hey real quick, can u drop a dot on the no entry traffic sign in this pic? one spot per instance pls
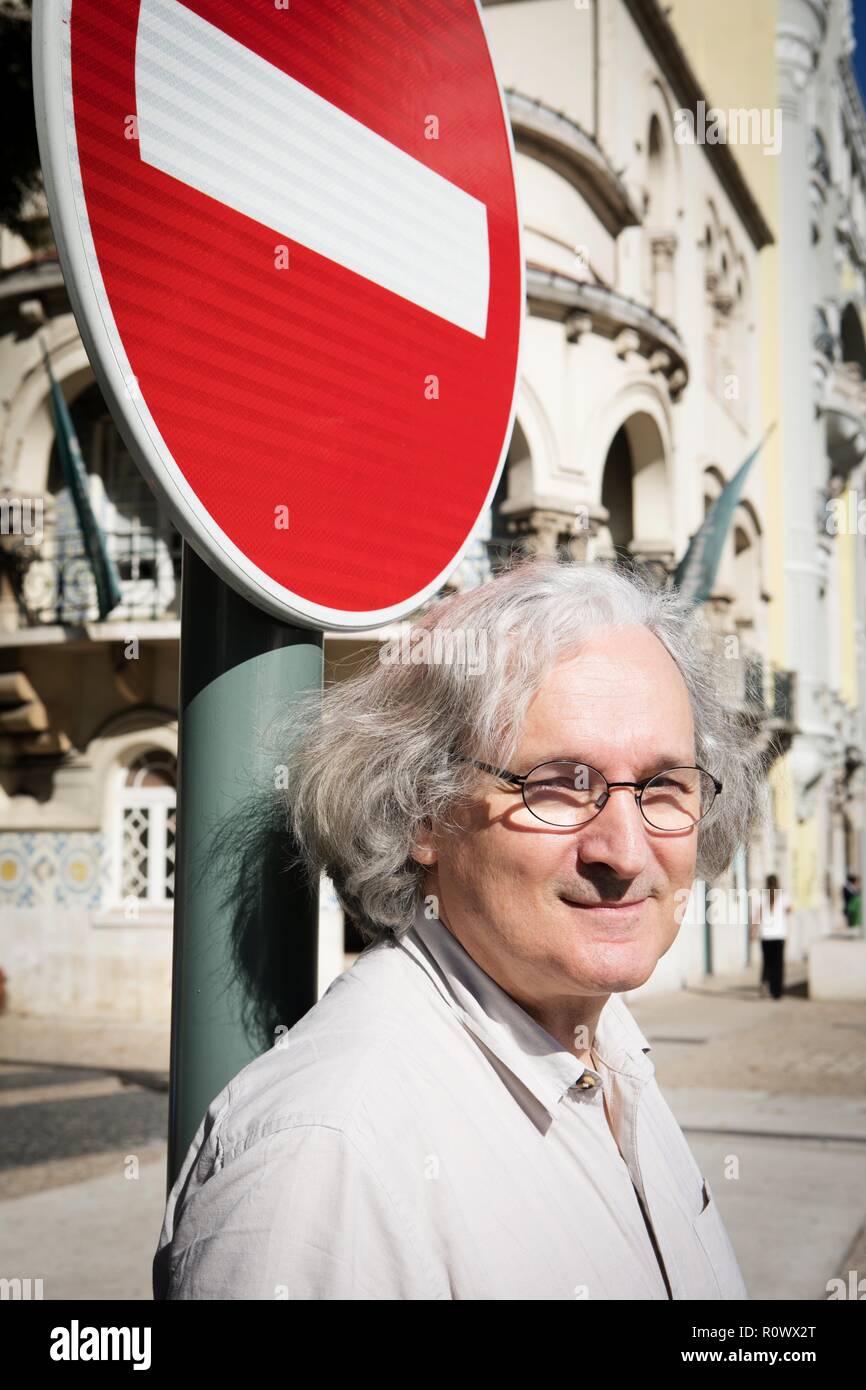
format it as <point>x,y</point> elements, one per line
<point>291,239</point>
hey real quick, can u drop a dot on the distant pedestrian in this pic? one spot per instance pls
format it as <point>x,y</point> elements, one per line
<point>771,921</point>
<point>854,903</point>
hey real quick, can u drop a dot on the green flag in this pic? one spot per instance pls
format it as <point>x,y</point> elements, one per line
<point>696,572</point>
<point>104,570</point>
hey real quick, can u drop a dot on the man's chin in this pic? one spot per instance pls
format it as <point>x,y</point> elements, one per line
<point>615,967</point>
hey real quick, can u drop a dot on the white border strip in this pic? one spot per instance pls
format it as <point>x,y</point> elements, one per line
<point>223,120</point>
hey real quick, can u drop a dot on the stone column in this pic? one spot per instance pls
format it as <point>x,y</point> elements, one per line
<point>798,35</point>
<point>549,527</point>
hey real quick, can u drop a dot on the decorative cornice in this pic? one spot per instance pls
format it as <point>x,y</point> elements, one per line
<point>796,54</point>
<point>555,139</point>
<point>594,307</point>
<point>33,277</point>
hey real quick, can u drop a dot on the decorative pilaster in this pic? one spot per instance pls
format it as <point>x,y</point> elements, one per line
<point>663,247</point>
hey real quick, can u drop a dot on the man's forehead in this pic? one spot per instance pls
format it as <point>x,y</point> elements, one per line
<point>616,664</point>
<point>624,648</point>
<point>622,691</point>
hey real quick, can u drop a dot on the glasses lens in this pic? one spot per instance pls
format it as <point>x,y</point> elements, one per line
<point>564,793</point>
<point>678,798</point>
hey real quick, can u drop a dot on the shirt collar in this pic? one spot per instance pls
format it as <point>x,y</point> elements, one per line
<point>508,1031</point>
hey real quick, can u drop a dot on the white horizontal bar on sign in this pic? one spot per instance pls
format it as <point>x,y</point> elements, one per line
<point>223,120</point>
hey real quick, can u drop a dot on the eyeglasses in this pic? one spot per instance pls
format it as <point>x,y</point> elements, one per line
<point>568,793</point>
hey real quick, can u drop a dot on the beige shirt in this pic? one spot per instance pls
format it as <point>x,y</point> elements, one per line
<point>417,1135</point>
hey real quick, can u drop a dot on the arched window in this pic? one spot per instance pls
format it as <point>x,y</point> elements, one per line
<point>655,167</point>
<point>145,844</point>
<point>617,497</point>
<point>634,492</point>
<point>852,339</point>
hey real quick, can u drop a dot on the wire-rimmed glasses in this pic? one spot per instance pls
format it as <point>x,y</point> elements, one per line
<point>565,792</point>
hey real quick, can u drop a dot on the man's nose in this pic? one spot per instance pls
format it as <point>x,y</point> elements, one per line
<point>617,835</point>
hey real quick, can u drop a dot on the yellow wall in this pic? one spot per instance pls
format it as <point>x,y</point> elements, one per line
<point>807,866</point>
<point>731,48</point>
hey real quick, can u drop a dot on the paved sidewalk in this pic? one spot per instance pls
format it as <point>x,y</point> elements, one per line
<point>771,1096</point>
<point>107,1044</point>
<point>93,1240</point>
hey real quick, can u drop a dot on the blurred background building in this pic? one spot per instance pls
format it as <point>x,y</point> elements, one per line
<point>684,293</point>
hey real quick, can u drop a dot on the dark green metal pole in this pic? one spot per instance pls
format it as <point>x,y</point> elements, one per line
<point>239,670</point>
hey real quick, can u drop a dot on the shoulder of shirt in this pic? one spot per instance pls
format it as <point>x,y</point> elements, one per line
<point>365,1030</point>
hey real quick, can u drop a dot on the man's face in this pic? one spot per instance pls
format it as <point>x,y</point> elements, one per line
<point>541,908</point>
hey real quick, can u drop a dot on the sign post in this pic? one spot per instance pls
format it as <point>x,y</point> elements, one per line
<point>239,671</point>
<point>291,240</point>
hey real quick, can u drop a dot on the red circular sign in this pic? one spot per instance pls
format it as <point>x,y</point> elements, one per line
<point>291,238</point>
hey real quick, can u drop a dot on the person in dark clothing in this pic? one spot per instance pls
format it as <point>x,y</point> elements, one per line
<point>771,923</point>
<point>853,902</point>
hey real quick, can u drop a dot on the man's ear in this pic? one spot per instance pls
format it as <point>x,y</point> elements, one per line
<point>424,845</point>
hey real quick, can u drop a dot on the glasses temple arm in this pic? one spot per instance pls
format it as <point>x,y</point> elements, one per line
<point>501,772</point>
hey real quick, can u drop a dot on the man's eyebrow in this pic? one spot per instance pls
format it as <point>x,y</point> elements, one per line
<point>666,760</point>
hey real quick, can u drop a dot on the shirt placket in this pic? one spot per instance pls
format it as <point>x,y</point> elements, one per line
<point>624,1091</point>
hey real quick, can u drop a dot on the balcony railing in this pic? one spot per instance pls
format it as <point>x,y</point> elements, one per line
<point>53,583</point>
<point>784,683</point>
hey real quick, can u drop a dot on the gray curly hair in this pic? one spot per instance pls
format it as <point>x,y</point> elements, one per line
<point>373,759</point>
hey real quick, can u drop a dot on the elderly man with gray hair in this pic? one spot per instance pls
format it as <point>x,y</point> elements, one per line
<point>470,1110</point>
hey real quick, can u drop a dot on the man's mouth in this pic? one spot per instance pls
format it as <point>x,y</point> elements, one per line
<point>621,909</point>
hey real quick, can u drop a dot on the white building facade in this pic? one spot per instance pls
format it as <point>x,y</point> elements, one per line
<point>638,401</point>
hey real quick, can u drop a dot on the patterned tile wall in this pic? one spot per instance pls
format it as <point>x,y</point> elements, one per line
<point>42,867</point>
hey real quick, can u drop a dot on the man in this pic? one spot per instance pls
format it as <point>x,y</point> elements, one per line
<point>470,1112</point>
